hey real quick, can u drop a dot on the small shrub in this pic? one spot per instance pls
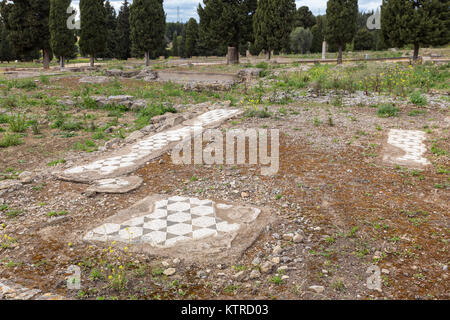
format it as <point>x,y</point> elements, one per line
<point>417,99</point>
<point>10,140</point>
<point>17,123</point>
<point>387,110</point>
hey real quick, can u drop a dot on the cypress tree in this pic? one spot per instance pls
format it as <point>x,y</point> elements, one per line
<point>28,27</point>
<point>225,23</point>
<point>6,50</point>
<point>304,18</point>
<point>318,32</point>
<point>182,44</point>
<point>191,37</point>
<point>111,36</point>
<point>418,22</point>
<point>93,31</point>
<point>273,22</point>
<point>364,40</point>
<point>123,32</point>
<point>147,24</point>
<point>62,39</point>
<point>175,51</point>
<point>341,23</point>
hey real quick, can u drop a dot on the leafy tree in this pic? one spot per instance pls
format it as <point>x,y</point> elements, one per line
<point>301,40</point>
<point>147,34</point>
<point>191,37</point>
<point>225,23</point>
<point>62,39</point>
<point>341,23</point>
<point>123,42</point>
<point>416,22</point>
<point>28,26</point>
<point>6,50</point>
<point>364,40</point>
<point>273,23</point>
<point>304,18</point>
<point>93,31</point>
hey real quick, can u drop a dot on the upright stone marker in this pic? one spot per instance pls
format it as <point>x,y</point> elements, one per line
<point>232,55</point>
<point>324,50</point>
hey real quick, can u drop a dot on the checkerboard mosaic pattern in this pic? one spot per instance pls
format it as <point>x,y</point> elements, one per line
<point>146,147</point>
<point>172,220</point>
<point>411,142</point>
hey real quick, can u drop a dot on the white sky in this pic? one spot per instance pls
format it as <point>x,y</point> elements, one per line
<point>188,8</point>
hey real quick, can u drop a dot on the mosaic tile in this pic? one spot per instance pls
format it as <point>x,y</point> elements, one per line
<point>411,142</point>
<point>144,148</point>
<point>173,220</point>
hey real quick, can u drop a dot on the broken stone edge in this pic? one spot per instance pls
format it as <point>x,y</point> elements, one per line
<point>134,183</point>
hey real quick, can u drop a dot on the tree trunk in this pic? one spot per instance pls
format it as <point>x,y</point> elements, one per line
<point>92,60</point>
<point>339,59</point>
<point>416,52</point>
<point>233,55</point>
<point>269,54</point>
<point>45,58</point>
<point>61,62</point>
<point>147,58</point>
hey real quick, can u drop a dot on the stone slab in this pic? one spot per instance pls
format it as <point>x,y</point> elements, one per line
<point>174,225</point>
<point>129,158</point>
<point>116,185</point>
<point>406,147</point>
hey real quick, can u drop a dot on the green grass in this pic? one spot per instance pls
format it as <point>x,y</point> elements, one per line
<point>57,213</point>
<point>86,146</point>
<point>9,140</point>
<point>56,162</point>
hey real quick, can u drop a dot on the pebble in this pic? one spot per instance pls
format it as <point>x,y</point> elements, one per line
<point>256,261</point>
<point>266,267</point>
<point>277,250</point>
<point>255,274</point>
<point>298,238</point>
<point>276,260</point>
<point>288,236</point>
<point>317,289</point>
<point>170,271</point>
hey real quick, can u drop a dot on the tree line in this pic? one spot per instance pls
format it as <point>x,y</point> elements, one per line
<point>28,27</point>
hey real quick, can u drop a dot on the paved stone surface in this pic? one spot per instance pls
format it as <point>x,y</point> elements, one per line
<point>129,158</point>
<point>116,185</point>
<point>410,143</point>
<point>176,225</point>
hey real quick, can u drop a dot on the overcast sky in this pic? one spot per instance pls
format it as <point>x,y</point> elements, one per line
<point>188,8</point>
